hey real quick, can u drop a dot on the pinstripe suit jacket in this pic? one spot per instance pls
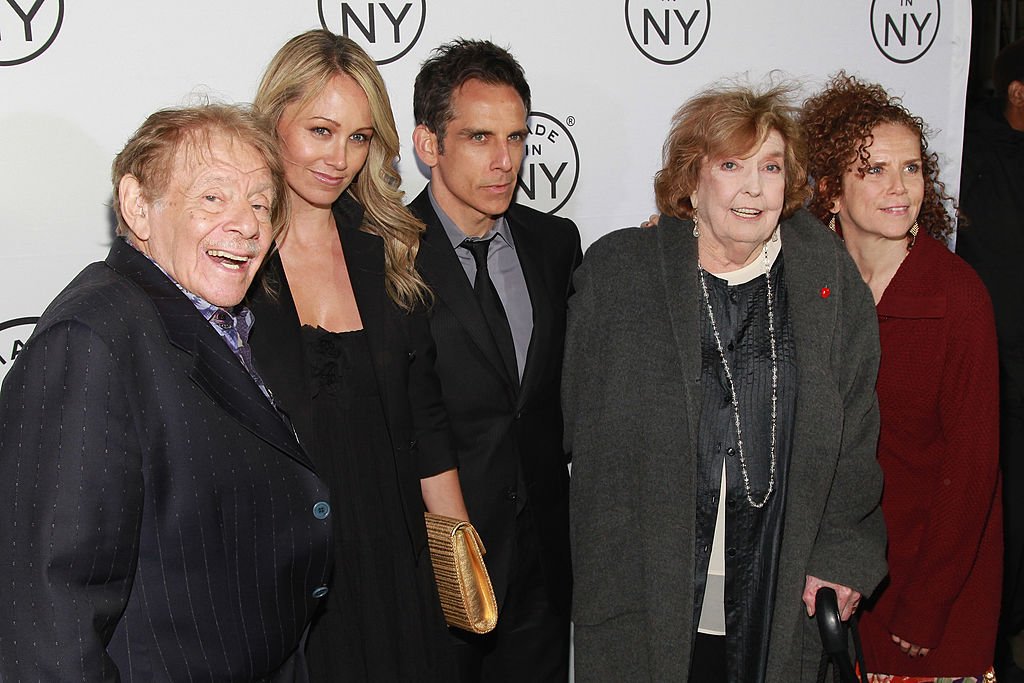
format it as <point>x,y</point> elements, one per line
<point>158,514</point>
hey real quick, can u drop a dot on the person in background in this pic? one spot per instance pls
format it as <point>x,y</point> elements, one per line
<point>992,199</point>
<point>150,489</point>
<point>876,184</point>
<point>345,348</point>
<point>501,275</point>
<point>719,402</point>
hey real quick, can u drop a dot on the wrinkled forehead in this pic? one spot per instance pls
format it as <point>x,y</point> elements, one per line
<point>204,153</point>
<point>746,141</point>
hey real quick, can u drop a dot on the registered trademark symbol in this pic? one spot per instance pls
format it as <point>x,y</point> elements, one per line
<point>570,120</point>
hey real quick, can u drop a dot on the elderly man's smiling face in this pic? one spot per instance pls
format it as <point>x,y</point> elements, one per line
<point>211,226</point>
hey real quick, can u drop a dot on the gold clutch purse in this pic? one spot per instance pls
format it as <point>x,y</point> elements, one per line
<point>463,585</point>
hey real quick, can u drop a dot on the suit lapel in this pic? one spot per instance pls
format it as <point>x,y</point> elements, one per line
<point>215,370</point>
<point>529,248</point>
<point>364,259</point>
<point>278,349</point>
<point>440,266</point>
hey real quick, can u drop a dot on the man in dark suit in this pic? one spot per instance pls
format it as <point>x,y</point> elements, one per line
<point>501,275</point>
<point>992,198</point>
<point>160,522</point>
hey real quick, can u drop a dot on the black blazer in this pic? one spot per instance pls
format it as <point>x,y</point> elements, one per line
<point>403,354</point>
<point>507,439</point>
<point>158,514</point>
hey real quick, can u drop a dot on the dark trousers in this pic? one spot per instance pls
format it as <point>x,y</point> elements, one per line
<point>707,665</point>
<point>531,640</point>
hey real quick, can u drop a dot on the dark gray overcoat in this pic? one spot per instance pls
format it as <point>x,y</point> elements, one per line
<point>631,396</point>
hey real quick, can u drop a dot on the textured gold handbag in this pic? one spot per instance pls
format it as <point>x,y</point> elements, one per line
<point>463,585</point>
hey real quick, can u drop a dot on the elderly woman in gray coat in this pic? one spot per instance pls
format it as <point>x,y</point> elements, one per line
<point>719,403</point>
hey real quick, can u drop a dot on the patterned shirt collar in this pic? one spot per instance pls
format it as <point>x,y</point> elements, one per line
<point>233,327</point>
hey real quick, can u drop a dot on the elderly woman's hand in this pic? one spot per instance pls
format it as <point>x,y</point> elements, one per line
<point>848,597</point>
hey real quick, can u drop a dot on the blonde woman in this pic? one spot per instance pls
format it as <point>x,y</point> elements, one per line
<point>343,346</point>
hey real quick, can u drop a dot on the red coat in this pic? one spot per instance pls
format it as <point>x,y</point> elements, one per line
<point>938,448</point>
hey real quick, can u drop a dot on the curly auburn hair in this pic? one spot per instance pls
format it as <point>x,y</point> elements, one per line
<point>837,124</point>
<point>725,121</point>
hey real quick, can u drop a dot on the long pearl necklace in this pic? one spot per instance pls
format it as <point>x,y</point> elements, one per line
<point>732,385</point>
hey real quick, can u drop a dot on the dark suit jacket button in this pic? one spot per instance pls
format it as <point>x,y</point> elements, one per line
<point>319,592</point>
<point>511,494</point>
<point>518,414</point>
<point>412,444</point>
<point>412,355</point>
<point>321,510</point>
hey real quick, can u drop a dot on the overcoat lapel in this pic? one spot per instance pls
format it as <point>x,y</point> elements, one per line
<point>215,370</point>
<point>678,254</point>
<point>810,310</point>
<point>440,266</point>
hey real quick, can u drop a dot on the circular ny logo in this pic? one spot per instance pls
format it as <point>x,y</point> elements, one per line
<point>668,31</point>
<point>551,165</point>
<point>904,29</point>
<point>386,29</point>
<point>27,28</point>
<point>13,335</point>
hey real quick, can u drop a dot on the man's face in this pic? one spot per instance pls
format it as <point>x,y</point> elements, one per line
<point>474,178</point>
<point>211,228</point>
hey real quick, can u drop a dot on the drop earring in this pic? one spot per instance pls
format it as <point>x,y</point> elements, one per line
<point>832,223</point>
<point>913,236</point>
<point>696,229</point>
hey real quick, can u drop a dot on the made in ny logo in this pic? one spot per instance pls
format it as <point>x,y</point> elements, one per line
<point>387,30</point>
<point>668,31</point>
<point>551,165</point>
<point>904,30</point>
<point>13,335</point>
<point>27,28</point>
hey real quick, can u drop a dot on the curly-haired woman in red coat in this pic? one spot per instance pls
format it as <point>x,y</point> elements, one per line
<point>876,184</point>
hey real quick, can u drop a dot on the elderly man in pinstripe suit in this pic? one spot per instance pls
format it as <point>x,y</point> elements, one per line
<point>160,522</point>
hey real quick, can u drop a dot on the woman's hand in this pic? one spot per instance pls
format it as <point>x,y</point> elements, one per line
<point>848,597</point>
<point>652,221</point>
<point>910,648</point>
<point>442,495</point>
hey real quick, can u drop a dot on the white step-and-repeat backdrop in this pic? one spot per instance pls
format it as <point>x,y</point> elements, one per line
<point>76,78</point>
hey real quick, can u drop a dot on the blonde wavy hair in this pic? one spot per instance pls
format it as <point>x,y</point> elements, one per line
<point>298,73</point>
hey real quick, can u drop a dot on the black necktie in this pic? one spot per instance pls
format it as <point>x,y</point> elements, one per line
<point>491,306</point>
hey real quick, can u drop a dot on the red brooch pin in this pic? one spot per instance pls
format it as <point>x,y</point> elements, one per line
<point>825,292</point>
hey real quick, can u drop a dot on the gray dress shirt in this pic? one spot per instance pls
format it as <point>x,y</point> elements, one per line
<point>506,273</point>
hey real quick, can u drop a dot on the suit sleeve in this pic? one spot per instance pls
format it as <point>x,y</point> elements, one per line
<point>433,444</point>
<point>850,548</point>
<point>71,492</point>
<point>577,256</point>
<point>967,481</point>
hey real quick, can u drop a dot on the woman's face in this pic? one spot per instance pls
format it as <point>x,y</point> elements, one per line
<point>739,199</point>
<point>885,201</point>
<point>325,142</point>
